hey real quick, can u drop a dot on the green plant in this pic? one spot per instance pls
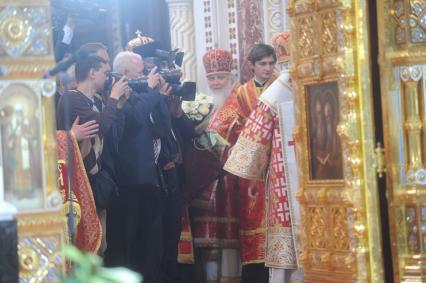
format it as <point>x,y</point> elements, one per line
<point>87,268</point>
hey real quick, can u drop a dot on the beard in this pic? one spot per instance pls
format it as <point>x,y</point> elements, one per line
<point>220,95</point>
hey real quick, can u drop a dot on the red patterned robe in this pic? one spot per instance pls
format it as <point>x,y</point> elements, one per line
<point>89,232</point>
<point>216,226</point>
<point>259,155</point>
<point>229,122</point>
<point>214,213</point>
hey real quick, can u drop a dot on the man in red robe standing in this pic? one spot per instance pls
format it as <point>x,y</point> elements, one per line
<point>229,122</point>
<point>214,213</point>
<point>265,151</point>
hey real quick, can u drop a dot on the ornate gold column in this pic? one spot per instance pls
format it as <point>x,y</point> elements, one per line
<point>410,77</point>
<point>182,31</point>
<point>28,140</point>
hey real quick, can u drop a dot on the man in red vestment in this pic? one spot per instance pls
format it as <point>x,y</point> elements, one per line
<point>229,122</point>
<point>264,151</point>
<point>214,213</point>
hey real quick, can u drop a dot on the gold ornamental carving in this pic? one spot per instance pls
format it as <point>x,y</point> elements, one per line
<point>318,227</point>
<point>41,237</point>
<point>26,49</point>
<point>329,36</point>
<point>306,33</point>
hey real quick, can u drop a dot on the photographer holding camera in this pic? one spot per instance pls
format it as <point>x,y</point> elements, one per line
<point>136,215</point>
<point>148,209</point>
<point>91,70</point>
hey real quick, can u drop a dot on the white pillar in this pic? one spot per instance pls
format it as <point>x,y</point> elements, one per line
<point>182,31</point>
<point>215,27</point>
<point>275,18</point>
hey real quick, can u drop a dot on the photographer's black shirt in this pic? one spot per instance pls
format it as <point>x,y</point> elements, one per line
<point>74,103</point>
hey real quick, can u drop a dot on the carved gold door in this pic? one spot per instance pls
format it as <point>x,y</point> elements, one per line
<point>359,71</point>
<point>338,163</point>
<point>402,45</point>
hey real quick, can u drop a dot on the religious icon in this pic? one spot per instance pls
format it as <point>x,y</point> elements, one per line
<point>21,147</point>
<point>324,143</point>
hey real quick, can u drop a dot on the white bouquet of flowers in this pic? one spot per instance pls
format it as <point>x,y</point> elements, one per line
<point>199,111</point>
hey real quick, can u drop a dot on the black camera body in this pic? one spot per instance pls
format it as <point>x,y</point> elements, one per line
<point>166,63</point>
<point>186,90</point>
<point>137,85</point>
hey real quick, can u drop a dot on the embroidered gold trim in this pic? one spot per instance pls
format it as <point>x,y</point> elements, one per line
<point>185,259</point>
<point>215,243</point>
<point>252,232</point>
<point>253,261</point>
<point>248,159</point>
<point>280,251</point>
<point>215,219</point>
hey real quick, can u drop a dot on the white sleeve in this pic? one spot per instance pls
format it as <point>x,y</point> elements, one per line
<point>68,34</point>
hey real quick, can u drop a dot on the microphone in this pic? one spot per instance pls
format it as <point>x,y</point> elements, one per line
<point>60,67</point>
<point>65,64</point>
<point>81,54</point>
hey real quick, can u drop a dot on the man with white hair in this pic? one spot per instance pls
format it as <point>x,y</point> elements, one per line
<point>149,206</point>
<point>134,217</point>
<point>215,212</point>
<point>131,65</point>
<point>228,123</point>
<point>221,82</point>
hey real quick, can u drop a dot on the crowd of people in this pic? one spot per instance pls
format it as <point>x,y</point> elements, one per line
<point>133,145</point>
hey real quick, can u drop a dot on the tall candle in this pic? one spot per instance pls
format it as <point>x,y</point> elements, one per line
<point>7,210</point>
<point>9,265</point>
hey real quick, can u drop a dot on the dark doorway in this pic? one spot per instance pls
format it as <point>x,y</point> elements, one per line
<point>377,104</point>
<point>95,21</point>
<point>151,17</point>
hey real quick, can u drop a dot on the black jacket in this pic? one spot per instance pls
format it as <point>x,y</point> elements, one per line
<point>74,103</point>
<point>146,119</point>
<point>173,150</point>
<point>60,47</point>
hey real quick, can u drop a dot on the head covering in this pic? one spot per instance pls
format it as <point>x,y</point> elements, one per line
<point>217,61</point>
<point>138,41</point>
<point>143,45</point>
<point>281,43</point>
